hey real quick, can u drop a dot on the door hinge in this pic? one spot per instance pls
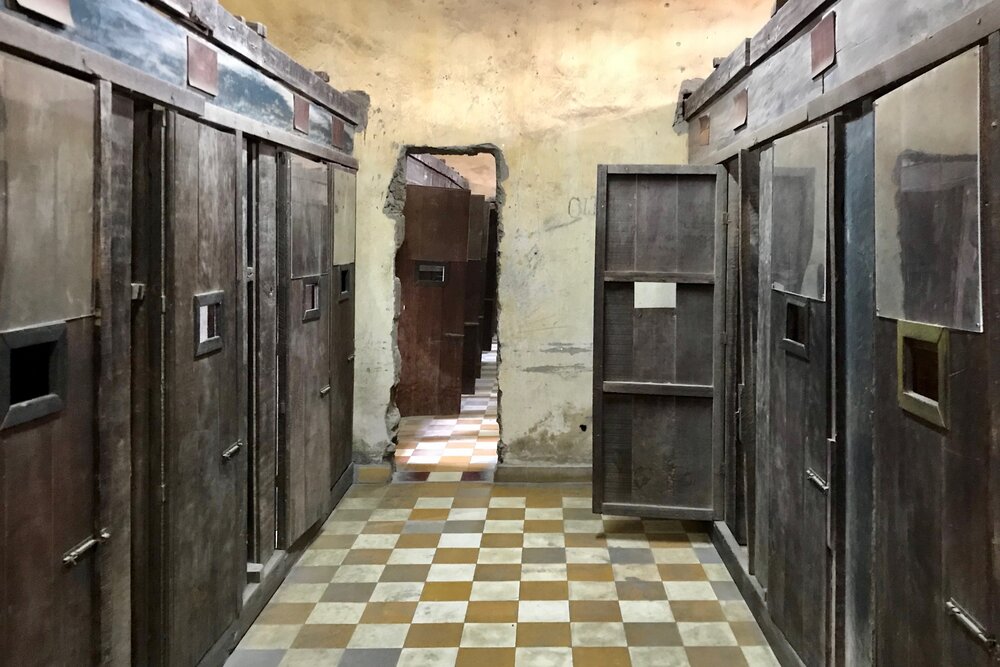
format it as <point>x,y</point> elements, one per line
<point>816,480</point>
<point>972,627</point>
<point>73,556</point>
<point>163,304</point>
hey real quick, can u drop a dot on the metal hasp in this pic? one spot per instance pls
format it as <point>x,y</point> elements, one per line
<point>233,450</point>
<point>972,627</point>
<point>324,391</point>
<point>816,480</point>
<point>73,556</point>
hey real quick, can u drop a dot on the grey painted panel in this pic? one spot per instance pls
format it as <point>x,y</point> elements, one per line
<point>345,216</point>
<point>46,195</point>
<point>799,213</point>
<point>927,198</point>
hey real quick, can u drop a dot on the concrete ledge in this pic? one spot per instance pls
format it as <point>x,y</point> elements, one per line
<point>542,474</point>
<point>372,473</point>
<point>733,555</point>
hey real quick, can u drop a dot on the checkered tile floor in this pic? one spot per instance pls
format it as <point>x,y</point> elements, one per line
<point>445,574</point>
<point>467,443</point>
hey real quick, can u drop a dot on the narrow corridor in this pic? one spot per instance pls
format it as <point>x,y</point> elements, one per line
<point>437,569</point>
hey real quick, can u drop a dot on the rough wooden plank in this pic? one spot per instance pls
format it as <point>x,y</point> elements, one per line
<point>659,389</point>
<point>203,413</point>
<point>114,206</point>
<point>732,68</point>
<point>266,350</point>
<point>783,26</point>
<point>857,324</point>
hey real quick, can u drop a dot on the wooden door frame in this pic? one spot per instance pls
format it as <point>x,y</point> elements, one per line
<point>718,333</point>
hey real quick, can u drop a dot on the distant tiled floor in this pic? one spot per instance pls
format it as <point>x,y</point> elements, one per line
<point>458,574</point>
<point>447,446</point>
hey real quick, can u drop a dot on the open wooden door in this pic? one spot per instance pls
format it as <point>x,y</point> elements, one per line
<point>657,341</point>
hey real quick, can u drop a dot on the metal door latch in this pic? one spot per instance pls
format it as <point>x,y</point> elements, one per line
<point>138,291</point>
<point>972,626</point>
<point>73,556</point>
<point>325,390</point>
<point>816,480</point>
<point>232,451</point>
<point>350,358</point>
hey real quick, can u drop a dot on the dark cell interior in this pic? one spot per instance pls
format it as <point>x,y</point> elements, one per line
<point>30,371</point>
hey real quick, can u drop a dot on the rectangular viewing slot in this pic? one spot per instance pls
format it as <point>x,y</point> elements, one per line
<point>796,333</point>
<point>922,367</point>
<point>797,323</point>
<point>208,323</point>
<point>433,274</point>
<point>345,281</point>
<point>310,299</point>
<point>32,373</point>
<point>29,371</point>
<point>920,372</point>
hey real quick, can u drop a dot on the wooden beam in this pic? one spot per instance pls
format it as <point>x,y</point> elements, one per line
<point>224,118</point>
<point>732,68</point>
<point>659,277</point>
<point>660,389</point>
<point>41,44</point>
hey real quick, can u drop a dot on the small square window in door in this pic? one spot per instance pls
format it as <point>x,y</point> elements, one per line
<point>796,340</point>
<point>922,367</point>
<point>431,274</point>
<point>345,284</point>
<point>311,304</point>
<point>32,373</point>
<point>208,323</point>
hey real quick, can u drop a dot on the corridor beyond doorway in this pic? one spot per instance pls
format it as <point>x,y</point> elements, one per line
<point>454,448</point>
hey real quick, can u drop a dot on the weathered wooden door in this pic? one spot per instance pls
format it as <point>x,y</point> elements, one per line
<point>304,274</point>
<point>203,462</point>
<point>797,403</point>
<point>657,363</point>
<point>431,268</point>
<point>475,285</point>
<point>345,185</point>
<point>48,367</point>
<point>489,328</point>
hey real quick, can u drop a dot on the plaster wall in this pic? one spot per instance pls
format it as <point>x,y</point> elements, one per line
<point>559,87</point>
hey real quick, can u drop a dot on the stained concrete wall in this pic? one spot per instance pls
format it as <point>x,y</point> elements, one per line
<point>559,87</point>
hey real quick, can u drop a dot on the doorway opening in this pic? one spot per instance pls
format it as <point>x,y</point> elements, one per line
<point>445,404</point>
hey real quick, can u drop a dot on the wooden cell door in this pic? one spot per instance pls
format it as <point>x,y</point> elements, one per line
<point>49,540</point>
<point>657,335</point>
<point>199,463</point>
<point>304,276</point>
<point>342,300</point>
<point>475,287</point>
<point>797,401</point>
<point>431,268</point>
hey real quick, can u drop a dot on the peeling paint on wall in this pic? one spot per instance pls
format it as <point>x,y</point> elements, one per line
<point>559,88</point>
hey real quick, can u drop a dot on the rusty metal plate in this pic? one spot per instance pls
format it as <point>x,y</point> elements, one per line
<point>824,44</point>
<point>56,10</point>
<point>704,136</point>
<point>302,109</point>
<point>339,134</point>
<point>203,67</point>
<point>741,104</point>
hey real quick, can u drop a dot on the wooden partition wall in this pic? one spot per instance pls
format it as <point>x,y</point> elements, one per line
<point>194,187</point>
<point>860,328</point>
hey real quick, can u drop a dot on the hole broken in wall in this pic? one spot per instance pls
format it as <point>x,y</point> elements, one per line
<point>428,432</point>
